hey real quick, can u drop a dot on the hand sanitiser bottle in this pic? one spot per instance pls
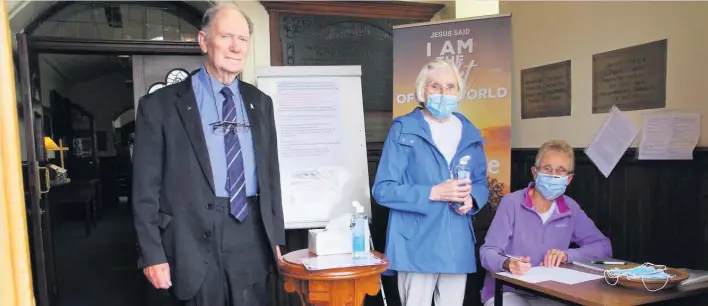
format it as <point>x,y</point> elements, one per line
<point>359,226</point>
<point>462,171</point>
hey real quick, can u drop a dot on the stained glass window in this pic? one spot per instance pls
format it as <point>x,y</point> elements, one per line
<point>162,21</point>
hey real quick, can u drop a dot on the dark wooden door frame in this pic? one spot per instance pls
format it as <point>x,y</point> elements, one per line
<point>33,181</point>
<point>420,12</point>
<point>29,49</point>
<point>39,44</point>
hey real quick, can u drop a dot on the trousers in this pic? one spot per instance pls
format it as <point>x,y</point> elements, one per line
<point>238,262</point>
<point>419,289</point>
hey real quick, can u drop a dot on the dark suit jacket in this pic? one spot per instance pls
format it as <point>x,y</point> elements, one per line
<point>173,185</point>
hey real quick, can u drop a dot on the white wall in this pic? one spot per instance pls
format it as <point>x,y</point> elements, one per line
<point>475,8</point>
<point>549,32</point>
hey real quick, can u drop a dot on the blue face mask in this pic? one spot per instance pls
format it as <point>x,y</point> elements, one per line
<point>441,106</point>
<point>647,271</point>
<point>551,187</point>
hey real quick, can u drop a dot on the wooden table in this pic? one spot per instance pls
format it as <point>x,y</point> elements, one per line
<point>335,287</point>
<point>595,292</point>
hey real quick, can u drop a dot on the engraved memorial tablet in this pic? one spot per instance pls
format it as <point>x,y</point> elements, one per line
<point>632,78</point>
<point>545,91</point>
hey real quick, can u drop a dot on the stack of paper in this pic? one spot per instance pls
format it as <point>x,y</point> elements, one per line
<point>695,277</point>
<point>561,275</point>
<point>340,261</point>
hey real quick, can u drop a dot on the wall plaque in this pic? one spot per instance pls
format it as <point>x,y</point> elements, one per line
<point>338,40</point>
<point>632,78</point>
<point>545,91</point>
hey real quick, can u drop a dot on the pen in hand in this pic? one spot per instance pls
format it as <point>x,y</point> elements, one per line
<point>515,264</point>
<point>512,257</point>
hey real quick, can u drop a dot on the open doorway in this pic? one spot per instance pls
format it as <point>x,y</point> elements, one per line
<point>94,244</point>
<point>88,128</point>
<point>82,67</point>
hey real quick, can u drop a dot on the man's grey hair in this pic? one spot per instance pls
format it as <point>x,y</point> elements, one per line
<point>422,81</point>
<point>212,11</point>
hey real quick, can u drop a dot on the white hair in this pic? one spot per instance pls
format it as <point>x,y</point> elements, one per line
<point>422,81</point>
<point>212,11</point>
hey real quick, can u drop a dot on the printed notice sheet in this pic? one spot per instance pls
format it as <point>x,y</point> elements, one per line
<point>669,136</point>
<point>561,275</point>
<point>308,122</point>
<point>309,145</point>
<point>610,143</point>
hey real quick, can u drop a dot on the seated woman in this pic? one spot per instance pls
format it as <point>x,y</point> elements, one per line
<point>430,238</point>
<point>538,224</point>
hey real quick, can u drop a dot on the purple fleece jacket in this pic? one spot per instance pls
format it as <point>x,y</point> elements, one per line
<point>518,230</point>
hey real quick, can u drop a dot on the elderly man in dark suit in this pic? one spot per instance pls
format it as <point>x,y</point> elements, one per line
<point>206,183</point>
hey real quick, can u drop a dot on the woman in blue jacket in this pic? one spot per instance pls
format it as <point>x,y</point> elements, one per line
<point>430,240</point>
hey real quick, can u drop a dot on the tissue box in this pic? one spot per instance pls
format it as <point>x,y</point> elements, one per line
<point>329,242</point>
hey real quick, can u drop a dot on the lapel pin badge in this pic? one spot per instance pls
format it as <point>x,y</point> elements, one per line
<point>251,104</point>
<point>189,107</point>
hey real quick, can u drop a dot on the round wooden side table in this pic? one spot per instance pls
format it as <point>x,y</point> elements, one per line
<point>333,287</point>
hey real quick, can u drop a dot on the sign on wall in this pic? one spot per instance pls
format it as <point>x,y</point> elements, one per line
<point>482,50</point>
<point>545,91</point>
<point>632,78</point>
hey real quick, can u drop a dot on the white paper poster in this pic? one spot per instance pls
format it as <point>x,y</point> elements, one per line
<point>669,136</point>
<point>612,141</point>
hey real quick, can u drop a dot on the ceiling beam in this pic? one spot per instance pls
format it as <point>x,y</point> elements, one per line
<point>417,11</point>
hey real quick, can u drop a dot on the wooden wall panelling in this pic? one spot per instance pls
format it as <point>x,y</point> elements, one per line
<point>655,211</point>
<point>363,9</point>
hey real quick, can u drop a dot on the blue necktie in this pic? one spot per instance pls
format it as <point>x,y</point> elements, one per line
<point>235,174</point>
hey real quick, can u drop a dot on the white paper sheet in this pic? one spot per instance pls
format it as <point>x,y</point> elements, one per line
<point>340,261</point>
<point>561,275</point>
<point>610,143</point>
<point>309,122</point>
<point>311,190</point>
<point>310,146</point>
<point>669,136</point>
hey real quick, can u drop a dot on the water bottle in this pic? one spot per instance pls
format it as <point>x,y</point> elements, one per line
<point>462,171</point>
<point>359,225</point>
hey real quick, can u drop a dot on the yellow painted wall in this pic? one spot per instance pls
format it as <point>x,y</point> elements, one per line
<point>549,32</point>
<point>15,273</point>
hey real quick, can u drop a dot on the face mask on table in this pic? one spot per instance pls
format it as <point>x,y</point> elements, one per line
<point>646,271</point>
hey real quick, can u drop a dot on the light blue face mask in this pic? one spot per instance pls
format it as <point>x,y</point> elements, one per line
<point>646,271</point>
<point>550,186</point>
<point>441,106</point>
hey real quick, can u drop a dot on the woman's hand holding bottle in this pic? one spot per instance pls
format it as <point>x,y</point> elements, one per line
<point>452,190</point>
